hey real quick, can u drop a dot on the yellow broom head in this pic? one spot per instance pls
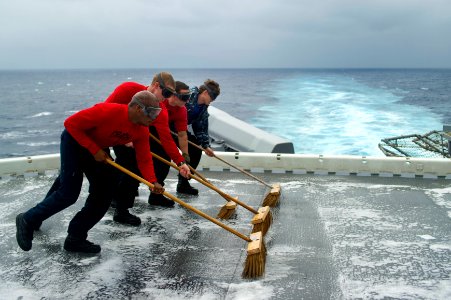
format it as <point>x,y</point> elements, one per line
<point>227,210</point>
<point>263,220</point>
<point>254,265</point>
<point>272,198</point>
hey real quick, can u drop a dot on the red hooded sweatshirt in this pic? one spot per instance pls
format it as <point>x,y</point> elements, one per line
<point>124,93</point>
<point>106,125</point>
<point>177,115</point>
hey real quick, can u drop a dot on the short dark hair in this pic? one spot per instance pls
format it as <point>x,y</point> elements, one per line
<point>212,86</point>
<point>180,86</point>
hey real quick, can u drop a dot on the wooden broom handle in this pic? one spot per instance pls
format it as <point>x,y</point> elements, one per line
<point>202,179</point>
<point>198,174</point>
<point>207,184</point>
<point>185,205</point>
<point>191,168</point>
<point>227,163</point>
<point>241,170</point>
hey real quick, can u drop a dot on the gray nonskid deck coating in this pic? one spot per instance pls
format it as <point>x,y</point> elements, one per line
<point>333,237</point>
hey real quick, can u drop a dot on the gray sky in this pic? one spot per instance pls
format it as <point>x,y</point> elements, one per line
<point>224,33</point>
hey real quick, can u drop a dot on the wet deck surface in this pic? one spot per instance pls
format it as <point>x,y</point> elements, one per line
<point>333,237</point>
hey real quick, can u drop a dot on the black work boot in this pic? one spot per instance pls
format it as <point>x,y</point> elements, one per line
<point>160,200</point>
<point>24,233</point>
<point>123,216</point>
<point>37,226</point>
<point>74,244</point>
<point>184,187</point>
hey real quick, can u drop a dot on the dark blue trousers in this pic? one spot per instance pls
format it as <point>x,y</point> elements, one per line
<point>161,169</point>
<point>76,161</point>
<point>124,194</point>
<point>126,186</point>
<point>195,154</point>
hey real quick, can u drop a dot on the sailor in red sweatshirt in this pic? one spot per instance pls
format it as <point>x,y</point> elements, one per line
<point>162,86</point>
<point>86,134</point>
<point>178,123</point>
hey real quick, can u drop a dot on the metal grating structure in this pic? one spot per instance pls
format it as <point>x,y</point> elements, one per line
<point>433,144</point>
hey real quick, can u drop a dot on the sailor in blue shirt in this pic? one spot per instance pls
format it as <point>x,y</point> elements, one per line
<point>197,109</point>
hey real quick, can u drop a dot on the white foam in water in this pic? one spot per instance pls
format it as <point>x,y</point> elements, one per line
<point>42,114</point>
<point>427,237</point>
<point>13,135</point>
<point>337,115</point>
<point>38,144</point>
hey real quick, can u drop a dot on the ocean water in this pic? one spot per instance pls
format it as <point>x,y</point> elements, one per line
<point>339,111</point>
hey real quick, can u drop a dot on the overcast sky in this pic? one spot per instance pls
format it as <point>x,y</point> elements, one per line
<point>224,33</point>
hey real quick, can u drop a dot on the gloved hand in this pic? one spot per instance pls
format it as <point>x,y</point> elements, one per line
<point>186,157</point>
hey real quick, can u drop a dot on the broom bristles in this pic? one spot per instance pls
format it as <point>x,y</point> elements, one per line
<point>254,266</point>
<point>227,210</point>
<point>272,198</point>
<point>263,220</point>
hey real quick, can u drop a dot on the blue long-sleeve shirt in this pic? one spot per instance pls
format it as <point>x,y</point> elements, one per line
<point>198,118</point>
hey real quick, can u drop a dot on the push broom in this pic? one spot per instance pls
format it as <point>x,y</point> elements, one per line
<point>227,210</point>
<point>254,266</point>
<point>262,219</point>
<point>272,197</point>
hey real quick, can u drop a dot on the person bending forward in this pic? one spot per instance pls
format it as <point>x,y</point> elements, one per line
<point>86,134</point>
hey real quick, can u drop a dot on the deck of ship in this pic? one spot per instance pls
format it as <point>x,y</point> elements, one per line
<point>333,237</point>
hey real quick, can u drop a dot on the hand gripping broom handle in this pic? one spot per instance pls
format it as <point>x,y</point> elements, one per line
<point>187,206</point>
<point>227,163</point>
<point>208,184</point>
<point>191,168</point>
